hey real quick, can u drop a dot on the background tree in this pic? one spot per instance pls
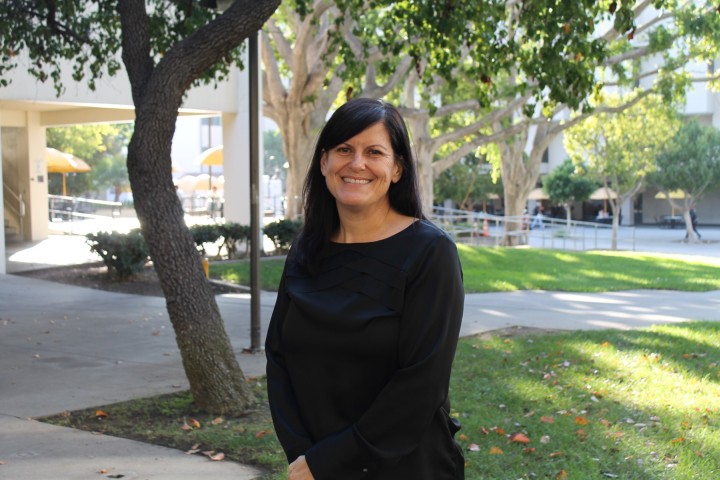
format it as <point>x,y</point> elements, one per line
<point>690,163</point>
<point>619,154</point>
<point>104,148</point>
<point>166,47</point>
<point>468,184</point>
<point>567,185</point>
<point>470,83</point>
<point>274,156</point>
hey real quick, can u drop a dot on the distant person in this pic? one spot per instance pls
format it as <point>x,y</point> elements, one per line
<point>603,214</point>
<point>362,338</point>
<point>538,218</point>
<point>693,223</point>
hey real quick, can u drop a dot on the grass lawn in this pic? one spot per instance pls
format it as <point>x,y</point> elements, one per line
<point>639,404</point>
<point>507,269</point>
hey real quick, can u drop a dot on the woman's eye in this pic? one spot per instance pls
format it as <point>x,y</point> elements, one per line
<point>342,150</point>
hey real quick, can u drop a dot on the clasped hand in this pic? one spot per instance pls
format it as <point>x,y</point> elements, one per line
<point>299,470</point>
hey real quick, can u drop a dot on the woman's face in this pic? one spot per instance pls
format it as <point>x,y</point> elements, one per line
<point>359,171</point>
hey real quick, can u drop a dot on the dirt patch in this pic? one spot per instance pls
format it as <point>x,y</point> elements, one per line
<point>95,275</point>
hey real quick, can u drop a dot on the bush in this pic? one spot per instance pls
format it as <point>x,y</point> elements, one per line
<point>123,254</point>
<point>283,233</point>
<point>232,233</point>
<point>203,234</point>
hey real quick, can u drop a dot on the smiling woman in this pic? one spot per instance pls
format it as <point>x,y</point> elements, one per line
<point>361,342</point>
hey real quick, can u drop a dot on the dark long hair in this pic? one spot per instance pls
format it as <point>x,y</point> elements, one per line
<point>321,216</point>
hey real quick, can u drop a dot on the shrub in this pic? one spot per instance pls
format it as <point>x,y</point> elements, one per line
<point>283,233</point>
<point>203,234</point>
<point>232,233</point>
<point>123,254</point>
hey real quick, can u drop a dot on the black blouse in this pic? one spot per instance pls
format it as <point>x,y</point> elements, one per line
<point>359,359</point>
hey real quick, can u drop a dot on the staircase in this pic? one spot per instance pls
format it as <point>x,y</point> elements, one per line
<point>11,234</point>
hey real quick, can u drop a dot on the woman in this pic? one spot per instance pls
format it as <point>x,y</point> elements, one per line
<point>362,338</point>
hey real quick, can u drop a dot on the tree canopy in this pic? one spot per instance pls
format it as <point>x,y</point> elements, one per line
<point>165,46</point>
<point>616,152</point>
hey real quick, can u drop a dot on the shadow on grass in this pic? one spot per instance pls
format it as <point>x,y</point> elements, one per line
<point>600,404</point>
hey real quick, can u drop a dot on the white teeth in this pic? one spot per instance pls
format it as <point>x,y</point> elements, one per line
<point>355,180</point>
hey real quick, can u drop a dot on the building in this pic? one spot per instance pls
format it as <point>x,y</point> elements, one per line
<point>28,107</point>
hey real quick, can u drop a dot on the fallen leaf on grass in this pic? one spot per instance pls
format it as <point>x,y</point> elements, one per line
<point>473,447</point>
<point>215,457</point>
<point>556,454</point>
<point>677,440</point>
<point>545,439</point>
<point>261,433</point>
<point>529,450</point>
<point>463,437</point>
<point>581,420</point>
<point>581,435</point>
<point>496,451</point>
<point>562,475</point>
<point>217,421</point>
<point>190,424</point>
<point>547,419</point>
<point>519,438</point>
<point>100,414</point>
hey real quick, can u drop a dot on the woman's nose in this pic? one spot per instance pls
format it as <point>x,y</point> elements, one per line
<point>358,161</point>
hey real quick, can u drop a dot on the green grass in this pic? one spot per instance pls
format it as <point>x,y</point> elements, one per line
<point>638,404</point>
<point>507,269</point>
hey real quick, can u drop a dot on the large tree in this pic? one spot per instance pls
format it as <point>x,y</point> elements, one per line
<point>166,46</point>
<point>474,73</point>
<point>690,164</point>
<point>619,149</point>
<point>567,185</point>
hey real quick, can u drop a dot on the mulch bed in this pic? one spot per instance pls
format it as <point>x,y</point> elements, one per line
<point>95,275</point>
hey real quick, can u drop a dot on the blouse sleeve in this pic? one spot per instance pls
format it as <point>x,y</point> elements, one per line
<point>395,422</point>
<point>289,427</point>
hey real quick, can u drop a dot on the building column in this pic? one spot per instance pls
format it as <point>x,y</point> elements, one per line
<point>236,155</point>
<point>36,198</point>
<point>3,253</point>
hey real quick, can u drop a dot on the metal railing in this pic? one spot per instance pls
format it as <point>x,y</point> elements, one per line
<point>64,208</point>
<point>15,205</point>
<point>479,228</point>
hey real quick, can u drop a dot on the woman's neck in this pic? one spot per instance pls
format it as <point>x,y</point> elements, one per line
<point>356,227</point>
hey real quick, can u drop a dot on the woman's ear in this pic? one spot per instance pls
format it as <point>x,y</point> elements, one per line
<point>397,171</point>
<point>323,162</point>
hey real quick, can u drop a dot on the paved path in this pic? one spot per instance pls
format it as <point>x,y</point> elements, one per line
<point>66,347</point>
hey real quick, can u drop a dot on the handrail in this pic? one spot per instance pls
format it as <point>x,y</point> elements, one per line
<point>19,208</point>
<point>62,207</point>
<point>475,228</point>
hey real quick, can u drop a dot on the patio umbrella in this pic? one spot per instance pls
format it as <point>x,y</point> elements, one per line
<point>604,194</point>
<point>674,195</point>
<point>213,156</point>
<point>537,194</point>
<point>64,163</point>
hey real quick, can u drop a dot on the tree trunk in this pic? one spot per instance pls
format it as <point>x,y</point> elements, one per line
<point>691,236</point>
<point>568,216</point>
<point>519,177</point>
<point>298,144</point>
<point>216,381</point>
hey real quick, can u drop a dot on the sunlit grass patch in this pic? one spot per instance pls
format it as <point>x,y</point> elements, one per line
<point>601,404</point>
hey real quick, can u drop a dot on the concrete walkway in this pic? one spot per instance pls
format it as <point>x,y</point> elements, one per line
<point>66,348</point>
